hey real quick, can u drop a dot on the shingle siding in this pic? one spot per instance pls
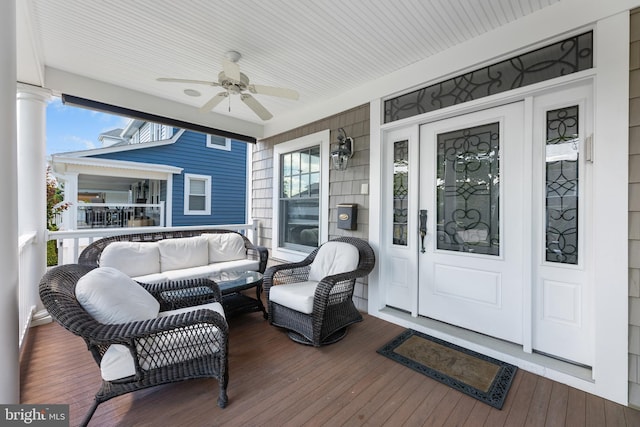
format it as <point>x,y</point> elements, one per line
<point>226,168</point>
<point>634,211</point>
<point>344,186</point>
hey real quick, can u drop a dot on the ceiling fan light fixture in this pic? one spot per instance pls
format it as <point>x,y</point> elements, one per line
<point>235,83</point>
<point>233,56</point>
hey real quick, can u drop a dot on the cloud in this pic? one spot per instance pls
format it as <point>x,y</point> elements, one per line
<point>56,103</point>
<point>80,143</point>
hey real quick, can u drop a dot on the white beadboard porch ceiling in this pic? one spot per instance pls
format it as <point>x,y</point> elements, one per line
<point>321,48</point>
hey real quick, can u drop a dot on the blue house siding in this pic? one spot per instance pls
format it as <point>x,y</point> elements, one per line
<point>227,170</point>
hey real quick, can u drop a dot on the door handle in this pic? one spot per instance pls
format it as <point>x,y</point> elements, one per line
<point>423,228</point>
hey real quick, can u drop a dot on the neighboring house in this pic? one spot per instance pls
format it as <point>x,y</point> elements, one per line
<point>154,175</point>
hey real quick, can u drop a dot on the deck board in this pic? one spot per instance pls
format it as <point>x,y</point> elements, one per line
<point>276,382</point>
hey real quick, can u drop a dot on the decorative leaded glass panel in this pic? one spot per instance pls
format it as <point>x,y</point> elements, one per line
<point>559,59</point>
<point>562,154</point>
<point>400,191</point>
<point>468,190</point>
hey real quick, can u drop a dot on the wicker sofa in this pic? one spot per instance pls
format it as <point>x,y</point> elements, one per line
<point>161,256</point>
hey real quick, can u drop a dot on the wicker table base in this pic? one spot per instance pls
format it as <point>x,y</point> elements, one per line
<point>233,300</point>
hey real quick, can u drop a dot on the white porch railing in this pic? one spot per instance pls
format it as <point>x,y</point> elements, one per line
<point>72,242</point>
<point>115,215</point>
<point>28,282</point>
<point>30,268</point>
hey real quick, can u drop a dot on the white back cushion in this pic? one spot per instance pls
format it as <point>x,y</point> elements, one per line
<point>225,247</point>
<point>334,258</point>
<point>132,258</point>
<point>184,252</point>
<point>110,296</point>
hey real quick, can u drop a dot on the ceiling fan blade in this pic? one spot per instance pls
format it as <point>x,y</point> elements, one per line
<point>198,82</point>
<point>274,91</point>
<point>213,102</point>
<point>231,70</point>
<point>257,108</point>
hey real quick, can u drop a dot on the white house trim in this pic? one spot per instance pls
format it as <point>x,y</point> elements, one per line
<point>97,166</point>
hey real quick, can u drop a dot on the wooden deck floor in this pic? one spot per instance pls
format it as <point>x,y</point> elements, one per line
<point>275,382</point>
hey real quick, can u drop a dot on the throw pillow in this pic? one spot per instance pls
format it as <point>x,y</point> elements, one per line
<point>110,297</point>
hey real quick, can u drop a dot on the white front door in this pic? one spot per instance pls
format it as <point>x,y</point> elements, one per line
<point>504,198</point>
<point>472,187</point>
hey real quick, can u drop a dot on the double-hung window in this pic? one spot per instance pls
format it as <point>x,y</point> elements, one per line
<point>300,195</point>
<point>197,194</point>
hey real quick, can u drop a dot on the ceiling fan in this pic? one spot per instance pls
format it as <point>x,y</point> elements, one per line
<point>236,83</point>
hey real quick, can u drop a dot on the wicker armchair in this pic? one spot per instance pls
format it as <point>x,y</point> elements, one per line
<point>172,347</point>
<point>318,309</point>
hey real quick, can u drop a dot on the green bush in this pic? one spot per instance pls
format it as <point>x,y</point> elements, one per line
<point>52,253</point>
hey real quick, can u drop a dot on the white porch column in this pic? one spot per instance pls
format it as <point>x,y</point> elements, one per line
<point>168,218</point>
<point>32,200</point>
<point>9,368</point>
<point>70,216</point>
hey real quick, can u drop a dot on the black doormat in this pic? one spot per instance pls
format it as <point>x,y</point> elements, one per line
<point>482,377</point>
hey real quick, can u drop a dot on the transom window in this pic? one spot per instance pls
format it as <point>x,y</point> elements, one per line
<point>559,59</point>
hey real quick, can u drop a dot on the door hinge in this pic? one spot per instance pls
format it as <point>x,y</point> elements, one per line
<point>588,149</point>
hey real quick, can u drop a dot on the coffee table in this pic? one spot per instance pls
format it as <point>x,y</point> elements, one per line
<point>234,301</point>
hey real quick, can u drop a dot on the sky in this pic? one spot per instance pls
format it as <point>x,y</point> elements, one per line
<point>72,128</point>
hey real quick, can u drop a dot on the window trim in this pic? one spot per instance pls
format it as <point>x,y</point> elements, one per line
<point>226,147</point>
<point>321,139</point>
<point>188,177</point>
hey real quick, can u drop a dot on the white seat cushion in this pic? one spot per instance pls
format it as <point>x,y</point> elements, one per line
<point>210,270</point>
<point>333,258</point>
<point>152,278</point>
<point>110,296</point>
<point>117,361</point>
<point>297,296</point>
<point>225,247</point>
<point>132,258</point>
<point>183,253</point>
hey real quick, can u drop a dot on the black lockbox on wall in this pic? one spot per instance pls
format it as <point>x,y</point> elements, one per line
<point>348,216</point>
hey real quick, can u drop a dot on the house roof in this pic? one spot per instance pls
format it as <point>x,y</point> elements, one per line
<point>337,55</point>
<point>62,164</point>
<point>121,146</point>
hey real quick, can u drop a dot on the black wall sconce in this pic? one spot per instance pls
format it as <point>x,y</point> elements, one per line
<point>344,152</point>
